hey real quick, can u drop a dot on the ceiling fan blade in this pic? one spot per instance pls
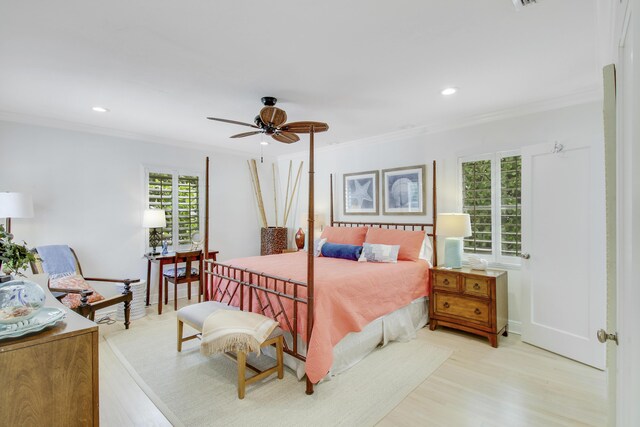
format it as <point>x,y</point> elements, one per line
<point>286,137</point>
<point>242,135</point>
<point>305,127</point>
<point>234,122</point>
<point>273,115</point>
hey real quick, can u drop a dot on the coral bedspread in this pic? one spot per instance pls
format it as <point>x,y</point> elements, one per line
<point>348,296</point>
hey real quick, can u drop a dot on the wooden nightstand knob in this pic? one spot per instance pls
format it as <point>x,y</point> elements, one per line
<point>477,311</point>
<point>445,305</point>
<point>445,281</point>
<point>476,286</point>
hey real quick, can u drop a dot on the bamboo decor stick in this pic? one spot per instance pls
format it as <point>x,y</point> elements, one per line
<point>293,192</point>
<point>286,196</point>
<point>255,180</point>
<point>275,191</point>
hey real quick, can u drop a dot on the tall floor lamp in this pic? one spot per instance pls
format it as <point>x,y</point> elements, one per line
<point>15,205</point>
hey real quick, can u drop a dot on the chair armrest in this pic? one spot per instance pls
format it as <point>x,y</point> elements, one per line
<point>84,293</point>
<point>97,279</point>
<point>127,283</point>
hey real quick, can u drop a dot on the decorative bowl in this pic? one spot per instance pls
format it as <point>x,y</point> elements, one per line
<point>20,300</point>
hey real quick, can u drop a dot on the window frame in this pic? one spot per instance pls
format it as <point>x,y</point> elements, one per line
<point>175,174</point>
<point>496,259</point>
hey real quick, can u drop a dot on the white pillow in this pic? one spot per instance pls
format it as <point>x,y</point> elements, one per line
<point>377,252</point>
<point>426,252</point>
<point>317,246</point>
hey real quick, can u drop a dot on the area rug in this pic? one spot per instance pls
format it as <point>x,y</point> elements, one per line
<point>194,390</point>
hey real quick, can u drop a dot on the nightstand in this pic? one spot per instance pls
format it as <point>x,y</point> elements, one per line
<point>474,301</point>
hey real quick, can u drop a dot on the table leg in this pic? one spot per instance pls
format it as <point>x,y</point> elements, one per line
<point>148,301</point>
<point>160,264</point>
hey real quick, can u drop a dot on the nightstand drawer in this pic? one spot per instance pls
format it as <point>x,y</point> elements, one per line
<point>447,281</point>
<point>469,309</point>
<point>476,287</point>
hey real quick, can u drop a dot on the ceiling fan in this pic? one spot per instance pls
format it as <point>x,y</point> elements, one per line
<point>272,121</point>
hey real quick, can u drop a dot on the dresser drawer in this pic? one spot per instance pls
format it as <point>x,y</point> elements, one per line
<point>447,281</point>
<point>476,286</point>
<point>469,309</point>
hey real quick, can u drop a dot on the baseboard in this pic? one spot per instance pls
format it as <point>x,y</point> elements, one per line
<point>515,327</point>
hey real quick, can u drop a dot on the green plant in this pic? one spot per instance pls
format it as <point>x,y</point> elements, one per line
<point>13,257</point>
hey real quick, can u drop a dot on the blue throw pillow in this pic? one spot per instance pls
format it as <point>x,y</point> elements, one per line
<point>336,250</point>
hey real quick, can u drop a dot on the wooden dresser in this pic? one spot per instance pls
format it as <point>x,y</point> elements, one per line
<point>50,378</point>
<point>470,300</point>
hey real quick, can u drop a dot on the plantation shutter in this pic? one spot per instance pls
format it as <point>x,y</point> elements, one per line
<point>161,197</point>
<point>476,201</point>
<point>188,208</point>
<point>510,208</point>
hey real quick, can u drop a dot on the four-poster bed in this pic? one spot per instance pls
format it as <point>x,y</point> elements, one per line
<point>279,287</point>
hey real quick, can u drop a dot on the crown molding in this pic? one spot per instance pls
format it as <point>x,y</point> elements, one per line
<point>586,96</point>
<point>104,131</point>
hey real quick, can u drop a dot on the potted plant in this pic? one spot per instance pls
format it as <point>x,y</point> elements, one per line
<point>13,257</point>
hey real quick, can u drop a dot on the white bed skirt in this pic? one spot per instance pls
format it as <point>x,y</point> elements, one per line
<point>400,325</point>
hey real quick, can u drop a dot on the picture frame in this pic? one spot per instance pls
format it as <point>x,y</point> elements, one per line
<point>361,193</point>
<point>404,190</point>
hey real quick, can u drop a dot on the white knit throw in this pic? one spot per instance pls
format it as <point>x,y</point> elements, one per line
<point>231,330</point>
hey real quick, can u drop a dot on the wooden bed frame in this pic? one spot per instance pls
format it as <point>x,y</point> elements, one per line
<point>267,293</point>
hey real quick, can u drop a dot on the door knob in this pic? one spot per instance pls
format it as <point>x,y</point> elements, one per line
<point>525,256</point>
<point>603,336</point>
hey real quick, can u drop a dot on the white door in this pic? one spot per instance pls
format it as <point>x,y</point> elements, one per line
<point>563,223</point>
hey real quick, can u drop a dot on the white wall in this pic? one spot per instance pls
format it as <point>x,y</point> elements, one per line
<point>89,192</point>
<point>575,123</point>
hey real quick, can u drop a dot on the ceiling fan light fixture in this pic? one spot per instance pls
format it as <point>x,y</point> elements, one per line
<point>449,91</point>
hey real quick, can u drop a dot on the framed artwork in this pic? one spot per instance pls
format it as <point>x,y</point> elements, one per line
<point>404,191</point>
<point>361,193</point>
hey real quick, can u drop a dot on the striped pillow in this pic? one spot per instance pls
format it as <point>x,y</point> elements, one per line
<point>376,252</point>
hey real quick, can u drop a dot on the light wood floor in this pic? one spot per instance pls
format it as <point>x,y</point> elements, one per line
<point>513,385</point>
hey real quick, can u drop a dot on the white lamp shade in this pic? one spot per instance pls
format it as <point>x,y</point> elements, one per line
<point>154,218</point>
<point>16,205</point>
<point>453,225</point>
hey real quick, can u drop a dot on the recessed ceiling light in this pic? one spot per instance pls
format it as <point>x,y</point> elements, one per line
<point>264,143</point>
<point>100,109</point>
<point>449,91</point>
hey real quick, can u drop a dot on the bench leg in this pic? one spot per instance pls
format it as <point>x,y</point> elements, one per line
<point>280,357</point>
<point>180,328</point>
<point>242,362</point>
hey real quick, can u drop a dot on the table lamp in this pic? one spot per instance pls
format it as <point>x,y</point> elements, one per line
<point>154,219</point>
<point>15,205</point>
<point>453,226</point>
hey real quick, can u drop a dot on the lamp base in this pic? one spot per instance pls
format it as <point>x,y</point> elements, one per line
<point>453,252</point>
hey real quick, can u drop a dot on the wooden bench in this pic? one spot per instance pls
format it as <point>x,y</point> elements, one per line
<point>195,315</point>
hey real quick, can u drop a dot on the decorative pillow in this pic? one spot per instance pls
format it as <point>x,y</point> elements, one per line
<point>426,253</point>
<point>317,246</point>
<point>337,250</point>
<point>345,235</point>
<point>375,252</point>
<point>410,241</point>
<point>74,281</point>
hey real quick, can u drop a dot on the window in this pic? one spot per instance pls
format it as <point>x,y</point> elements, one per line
<point>179,196</point>
<point>491,195</point>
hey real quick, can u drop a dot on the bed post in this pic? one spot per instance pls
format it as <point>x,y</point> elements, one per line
<point>206,229</point>
<point>331,192</point>
<point>435,215</point>
<point>310,250</point>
